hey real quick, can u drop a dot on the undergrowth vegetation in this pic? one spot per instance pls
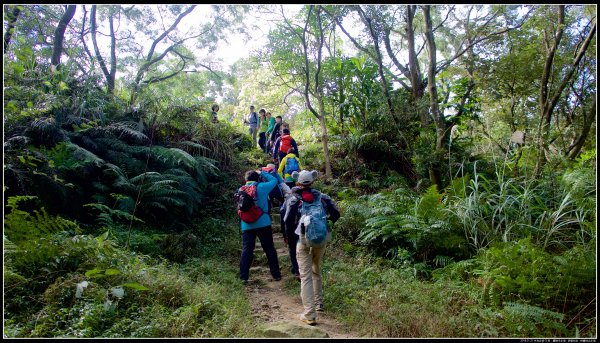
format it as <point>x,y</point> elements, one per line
<point>501,256</point>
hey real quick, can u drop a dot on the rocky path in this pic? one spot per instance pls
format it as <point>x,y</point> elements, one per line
<point>272,301</point>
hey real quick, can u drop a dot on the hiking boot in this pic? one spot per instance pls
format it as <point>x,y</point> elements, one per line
<point>297,276</point>
<point>309,321</point>
<point>277,278</point>
<point>320,308</point>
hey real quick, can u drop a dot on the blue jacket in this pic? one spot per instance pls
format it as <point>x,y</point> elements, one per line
<point>262,193</point>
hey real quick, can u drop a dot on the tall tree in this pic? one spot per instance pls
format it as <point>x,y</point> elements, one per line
<point>12,13</point>
<point>108,74</point>
<point>59,34</point>
<point>549,98</point>
<point>297,57</point>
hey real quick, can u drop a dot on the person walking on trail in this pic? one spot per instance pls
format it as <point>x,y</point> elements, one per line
<point>309,218</point>
<point>270,127</point>
<point>256,222</point>
<point>262,131</point>
<point>289,164</point>
<point>213,114</point>
<point>276,133</point>
<point>251,119</point>
<point>280,192</point>
<point>283,144</point>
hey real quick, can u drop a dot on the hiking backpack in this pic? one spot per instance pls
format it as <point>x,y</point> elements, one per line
<point>313,223</point>
<point>247,209</point>
<point>286,143</point>
<point>291,165</point>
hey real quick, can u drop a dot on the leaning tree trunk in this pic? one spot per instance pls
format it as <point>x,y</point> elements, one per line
<point>59,34</point>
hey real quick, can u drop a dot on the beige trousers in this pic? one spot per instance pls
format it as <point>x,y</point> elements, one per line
<point>311,286</point>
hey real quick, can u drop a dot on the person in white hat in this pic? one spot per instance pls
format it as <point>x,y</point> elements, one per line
<point>300,209</point>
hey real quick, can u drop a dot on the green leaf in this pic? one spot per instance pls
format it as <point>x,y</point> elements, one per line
<point>136,285</point>
<point>93,273</point>
<point>111,271</point>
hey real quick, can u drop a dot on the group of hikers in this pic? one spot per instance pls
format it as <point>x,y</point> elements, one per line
<point>306,215</point>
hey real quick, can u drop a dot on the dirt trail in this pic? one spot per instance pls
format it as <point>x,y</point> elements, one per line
<point>270,301</point>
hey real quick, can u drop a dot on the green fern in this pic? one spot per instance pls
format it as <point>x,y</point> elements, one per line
<point>127,130</point>
<point>532,321</point>
<point>21,227</point>
<point>175,157</point>
<point>107,216</point>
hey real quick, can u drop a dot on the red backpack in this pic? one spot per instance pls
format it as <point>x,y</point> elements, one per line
<point>247,209</point>
<point>286,143</point>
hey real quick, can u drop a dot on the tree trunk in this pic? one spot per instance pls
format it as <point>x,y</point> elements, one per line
<point>325,139</point>
<point>12,20</point>
<point>547,101</point>
<point>438,118</point>
<point>110,82</point>
<point>59,34</point>
<point>318,89</point>
<point>588,120</point>
<point>418,86</point>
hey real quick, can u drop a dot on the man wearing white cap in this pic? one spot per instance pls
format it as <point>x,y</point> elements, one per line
<point>308,219</point>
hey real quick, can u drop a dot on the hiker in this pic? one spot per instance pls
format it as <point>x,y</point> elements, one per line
<point>213,114</point>
<point>281,191</point>
<point>256,222</point>
<point>309,217</point>
<point>251,119</point>
<point>275,133</point>
<point>283,144</point>
<point>262,131</point>
<point>289,164</point>
<point>270,128</point>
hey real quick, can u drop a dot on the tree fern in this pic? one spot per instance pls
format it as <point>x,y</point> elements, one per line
<point>128,131</point>
<point>175,157</point>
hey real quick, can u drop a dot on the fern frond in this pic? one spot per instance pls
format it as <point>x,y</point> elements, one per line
<point>174,157</point>
<point>21,227</point>
<point>16,142</point>
<point>128,130</point>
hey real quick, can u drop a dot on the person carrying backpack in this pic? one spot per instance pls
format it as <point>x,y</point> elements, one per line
<point>281,191</point>
<point>275,132</point>
<point>251,119</point>
<point>289,164</point>
<point>270,127</point>
<point>262,130</point>
<point>283,144</point>
<point>252,208</point>
<point>309,217</point>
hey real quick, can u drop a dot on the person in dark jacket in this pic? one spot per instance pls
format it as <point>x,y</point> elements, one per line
<point>282,145</point>
<point>306,261</point>
<point>275,133</point>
